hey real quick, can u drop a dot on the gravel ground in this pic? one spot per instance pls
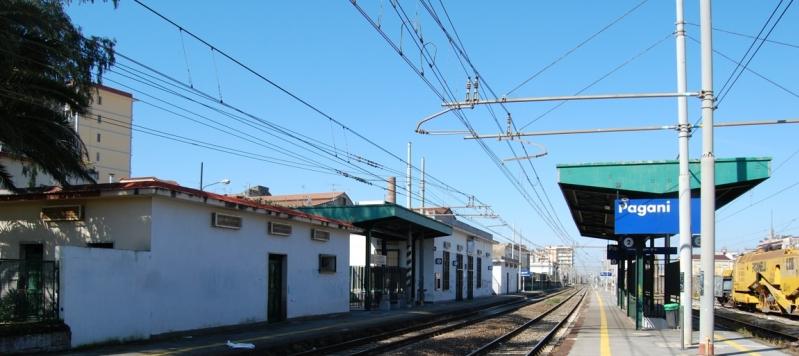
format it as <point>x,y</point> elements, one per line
<point>465,340</point>
<point>525,340</point>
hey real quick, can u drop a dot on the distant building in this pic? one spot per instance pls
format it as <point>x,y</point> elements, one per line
<point>722,262</point>
<point>505,269</point>
<point>105,131</point>
<point>306,199</point>
<point>562,255</point>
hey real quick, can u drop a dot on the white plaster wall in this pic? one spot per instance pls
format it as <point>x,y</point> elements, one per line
<point>197,276</point>
<point>499,272</point>
<point>457,238</point>
<point>357,250</point>
<point>106,294</point>
<point>124,220</point>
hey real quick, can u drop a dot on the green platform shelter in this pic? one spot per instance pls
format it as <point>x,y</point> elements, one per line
<point>590,190</point>
<point>388,222</point>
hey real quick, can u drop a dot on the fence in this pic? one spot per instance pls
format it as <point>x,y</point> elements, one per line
<point>385,282</point>
<point>28,290</point>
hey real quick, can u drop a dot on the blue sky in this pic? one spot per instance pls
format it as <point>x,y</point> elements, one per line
<point>328,54</point>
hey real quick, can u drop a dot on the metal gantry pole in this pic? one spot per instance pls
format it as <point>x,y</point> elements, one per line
<point>708,176</point>
<point>684,185</point>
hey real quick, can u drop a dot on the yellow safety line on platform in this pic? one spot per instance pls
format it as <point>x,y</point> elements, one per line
<point>604,342</point>
<point>736,345</point>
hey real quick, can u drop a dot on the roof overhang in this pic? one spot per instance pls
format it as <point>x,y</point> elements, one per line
<point>590,189</point>
<point>388,221</point>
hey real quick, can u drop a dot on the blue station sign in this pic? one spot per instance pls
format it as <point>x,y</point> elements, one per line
<point>652,216</point>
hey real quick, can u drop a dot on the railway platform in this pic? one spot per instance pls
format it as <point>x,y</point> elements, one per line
<point>603,329</point>
<point>284,338</point>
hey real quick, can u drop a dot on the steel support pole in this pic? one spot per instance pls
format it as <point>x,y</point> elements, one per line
<point>367,272</point>
<point>684,184</point>
<point>639,283</point>
<point>408,177</point>
<point>708,177</point>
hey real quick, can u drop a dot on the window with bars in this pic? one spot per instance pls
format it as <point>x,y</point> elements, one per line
<point>445,270</point>
<point>479,272</point>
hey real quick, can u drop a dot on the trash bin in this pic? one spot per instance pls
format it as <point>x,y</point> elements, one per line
<point>671,310</point>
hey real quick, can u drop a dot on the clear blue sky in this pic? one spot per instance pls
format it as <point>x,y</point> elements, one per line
<point>328,54</point>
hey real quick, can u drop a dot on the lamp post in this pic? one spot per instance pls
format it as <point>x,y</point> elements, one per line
<point>223,181</point>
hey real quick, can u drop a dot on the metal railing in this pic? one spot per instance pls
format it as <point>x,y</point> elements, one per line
<point>28,290</point>
<point>386,282</point>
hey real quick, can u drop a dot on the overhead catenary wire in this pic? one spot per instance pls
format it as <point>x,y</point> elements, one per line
<point>573,49</point>
<point>445,93</point>
<point>460,51</point>
<point>286,91</point>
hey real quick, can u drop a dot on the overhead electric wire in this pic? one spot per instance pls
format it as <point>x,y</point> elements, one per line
<point>445,187</point>
<point>749,69</point>
<point>737,74</point>
<point>460,51</point>
<point>445,87</point>
<point>570,51</point>
<point>284,90</point>
<point>749,36</point>
<point>603,77</point>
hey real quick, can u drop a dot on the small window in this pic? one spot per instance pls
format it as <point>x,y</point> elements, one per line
<point>100,245</point>
<point>789,266</point>
<point>279,229</point>
<point>320,235</point>
<point>62,213</point>
<point>99,119</point>
<point>327,263</point>
<point>98,137</point>
<point>97,156</point>
<point>226,221</point>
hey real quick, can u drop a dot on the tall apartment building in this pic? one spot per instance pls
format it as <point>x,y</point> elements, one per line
<point>105,130</point>
<point>562,255</point>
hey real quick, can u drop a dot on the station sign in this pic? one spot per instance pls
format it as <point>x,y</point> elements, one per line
<point>652,216</point>
<point>605,274</point>
<point>614,253</point>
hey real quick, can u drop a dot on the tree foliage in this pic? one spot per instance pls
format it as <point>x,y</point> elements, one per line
<point>46,66</point>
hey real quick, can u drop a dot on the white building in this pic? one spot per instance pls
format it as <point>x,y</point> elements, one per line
<point>460,264</point>
<point>147,257</point>
<point>505,270</point>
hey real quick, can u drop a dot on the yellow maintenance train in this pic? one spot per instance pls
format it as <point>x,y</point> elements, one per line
<point>765,280</point>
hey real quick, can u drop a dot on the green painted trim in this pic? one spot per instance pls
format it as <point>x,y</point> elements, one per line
<point>366,215</point>
<point>660,177</point>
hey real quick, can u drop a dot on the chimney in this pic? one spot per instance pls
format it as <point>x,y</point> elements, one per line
<point>391,193</point>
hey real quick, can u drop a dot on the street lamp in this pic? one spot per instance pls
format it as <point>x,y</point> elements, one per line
<point>223,181</point>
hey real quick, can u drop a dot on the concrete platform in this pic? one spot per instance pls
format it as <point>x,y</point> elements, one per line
<point>604,329</point>
<point>277,338</point>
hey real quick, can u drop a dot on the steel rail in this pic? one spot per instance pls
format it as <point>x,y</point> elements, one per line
<point>447,318</point>
<point>494,343</point>
<point>752,327</point>
<point>446,329</point>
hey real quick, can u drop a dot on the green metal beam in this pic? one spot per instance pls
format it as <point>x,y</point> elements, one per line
<point>384,217</point>
<point>659,177</point>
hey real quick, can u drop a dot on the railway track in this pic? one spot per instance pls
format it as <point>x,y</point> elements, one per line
<point>771,331</point>
<point>394,340</point>
<point>532,337</point>
<point>473,336</point>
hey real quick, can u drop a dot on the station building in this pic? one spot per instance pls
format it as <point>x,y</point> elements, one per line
<point>144,257</point>
<point>460,263</point>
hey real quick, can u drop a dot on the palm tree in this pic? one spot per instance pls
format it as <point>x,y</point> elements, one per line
<point>47,68</point>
